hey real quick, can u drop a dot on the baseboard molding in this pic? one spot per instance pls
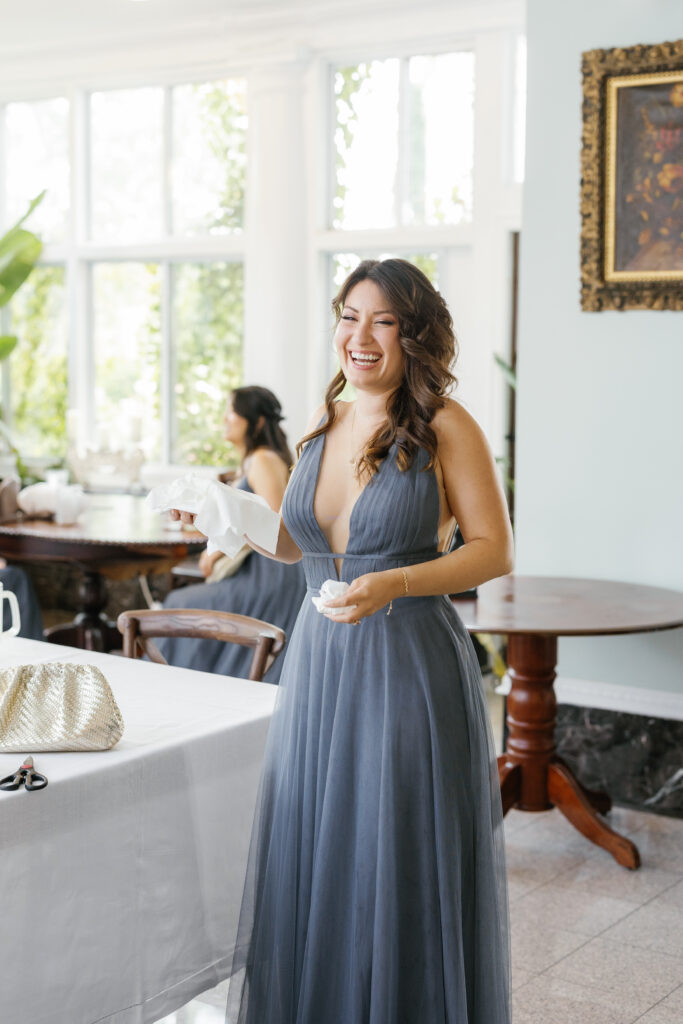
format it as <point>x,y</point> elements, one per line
<point>614,697</point>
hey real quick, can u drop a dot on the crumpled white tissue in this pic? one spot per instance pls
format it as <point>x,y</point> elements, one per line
<point>64,501</point>
<point>330,589</point>
<point>223,514</point>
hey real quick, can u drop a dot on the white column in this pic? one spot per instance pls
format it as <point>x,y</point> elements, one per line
<point>276,264</point>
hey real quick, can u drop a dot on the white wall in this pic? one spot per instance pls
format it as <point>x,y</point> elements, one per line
<point>600,409</point>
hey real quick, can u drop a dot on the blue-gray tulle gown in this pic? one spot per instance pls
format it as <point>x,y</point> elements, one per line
<point>375,892</point>
<point>262,588</point>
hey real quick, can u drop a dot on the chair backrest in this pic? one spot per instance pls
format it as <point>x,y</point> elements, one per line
<point>138,628</point>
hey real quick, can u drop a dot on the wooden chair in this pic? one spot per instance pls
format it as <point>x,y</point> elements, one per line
<point>138,628</point>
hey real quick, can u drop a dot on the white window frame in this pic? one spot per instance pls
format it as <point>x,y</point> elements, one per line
<point>79,253</point>
<point>496,213</point>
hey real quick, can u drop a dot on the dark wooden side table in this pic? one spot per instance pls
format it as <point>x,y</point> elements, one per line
<point>533,611</point>
<point>117,537</point>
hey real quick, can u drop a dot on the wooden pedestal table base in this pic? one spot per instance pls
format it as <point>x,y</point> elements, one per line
<point>532,776</point>
<point>533,611</point>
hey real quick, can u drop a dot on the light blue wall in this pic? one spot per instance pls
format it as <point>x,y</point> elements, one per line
<point>600,400</point>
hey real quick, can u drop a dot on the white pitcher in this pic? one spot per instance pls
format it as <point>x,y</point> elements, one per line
<point>7,595</point>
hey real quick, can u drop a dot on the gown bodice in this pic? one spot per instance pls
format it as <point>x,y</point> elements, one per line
<point>394,521</point>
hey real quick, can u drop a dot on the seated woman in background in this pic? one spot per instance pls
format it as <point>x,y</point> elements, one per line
<point>249,584</point>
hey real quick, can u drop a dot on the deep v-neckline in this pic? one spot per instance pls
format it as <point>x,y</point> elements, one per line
<point>341,555</point>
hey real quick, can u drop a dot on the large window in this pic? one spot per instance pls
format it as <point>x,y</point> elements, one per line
<point>133,319</point>
<point>403,140</point>
<point>402,160</point>
<point>425,156</point>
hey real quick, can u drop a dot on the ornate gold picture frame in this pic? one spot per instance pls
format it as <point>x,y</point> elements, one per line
<point>632,178</point>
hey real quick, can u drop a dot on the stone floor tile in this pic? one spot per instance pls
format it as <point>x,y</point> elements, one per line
<point>586,913</point>
<point>526,873</point>
<point>536,949</point>
<point>660,842</point>
<point>515,820</point>
<point>674,1001</point>
<point>550,831</point>
<point>645,976</point>
<point>602,876</point>
<point>668,1011</point>
<point>520,977</point>
<point>545,1000</point>
<point>657,925</point>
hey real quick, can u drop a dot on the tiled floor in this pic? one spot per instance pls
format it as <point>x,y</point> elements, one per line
<point>592,943</point>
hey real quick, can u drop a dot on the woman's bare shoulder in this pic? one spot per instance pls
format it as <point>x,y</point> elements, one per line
<point>262,457</point>
<point>315,418</point>
<point>454,423</point>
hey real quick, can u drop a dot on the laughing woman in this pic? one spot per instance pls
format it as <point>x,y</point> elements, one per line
<point>376,886</point>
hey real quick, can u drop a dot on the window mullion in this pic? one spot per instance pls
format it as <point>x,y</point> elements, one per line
<point>167,373</point>
<point>167,407</point>
<point>3,170</point>
<point>167,159</point>
<point>80,357</point>
<point>402,163</point>
<point>4,313</point>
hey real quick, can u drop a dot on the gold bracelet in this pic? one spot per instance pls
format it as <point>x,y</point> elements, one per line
<point>405,584</point>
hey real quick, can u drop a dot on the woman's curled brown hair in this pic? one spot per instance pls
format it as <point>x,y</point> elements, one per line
<point>429,350</point>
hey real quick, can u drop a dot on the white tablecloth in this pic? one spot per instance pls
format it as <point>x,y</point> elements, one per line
<point>121,882</point>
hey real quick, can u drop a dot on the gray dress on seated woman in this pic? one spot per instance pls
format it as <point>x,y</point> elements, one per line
<point>262,588</point>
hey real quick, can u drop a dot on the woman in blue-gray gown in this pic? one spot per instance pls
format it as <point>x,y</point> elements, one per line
<point>375,892</point>
<point>256,586</point>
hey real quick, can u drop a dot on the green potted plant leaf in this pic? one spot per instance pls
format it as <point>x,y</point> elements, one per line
<point>19,252</point>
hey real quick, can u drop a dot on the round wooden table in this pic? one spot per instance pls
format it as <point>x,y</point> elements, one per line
<point>117,536</point>
<point>533,611</point>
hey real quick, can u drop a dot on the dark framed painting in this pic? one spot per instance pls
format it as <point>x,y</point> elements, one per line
<point>632,178</point>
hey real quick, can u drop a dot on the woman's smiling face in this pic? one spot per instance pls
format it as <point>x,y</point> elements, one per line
<point>367,340</point>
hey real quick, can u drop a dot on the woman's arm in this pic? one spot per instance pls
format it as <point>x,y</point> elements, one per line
<point>263,479</point>
<point>286,550</point>
<point>476,500</point>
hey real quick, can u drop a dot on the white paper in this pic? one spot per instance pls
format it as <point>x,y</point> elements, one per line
<point>223,514</point>
<point>329,590</point>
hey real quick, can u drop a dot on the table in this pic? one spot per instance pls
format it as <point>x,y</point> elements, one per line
<point>122,881</point>
<point>533,611</point>
<point>116,536</point>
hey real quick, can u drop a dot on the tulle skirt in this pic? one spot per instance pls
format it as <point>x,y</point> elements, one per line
<point>375,892</point>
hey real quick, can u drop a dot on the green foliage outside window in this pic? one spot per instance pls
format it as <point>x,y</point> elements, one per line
<point>38,365</point>
<point>208,318</point>
<point>208,297</point>
<point>222,112</point>
<point>348,82</point>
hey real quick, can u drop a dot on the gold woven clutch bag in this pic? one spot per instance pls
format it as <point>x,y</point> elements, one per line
<point>57,706</point>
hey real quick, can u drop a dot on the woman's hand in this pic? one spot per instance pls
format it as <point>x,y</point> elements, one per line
<point>207,561</point>
<point>187,518</point>
<point>369,593</point>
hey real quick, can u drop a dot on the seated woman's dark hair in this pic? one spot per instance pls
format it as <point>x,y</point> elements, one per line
<point>429,350</point>
<point>263,413</point>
